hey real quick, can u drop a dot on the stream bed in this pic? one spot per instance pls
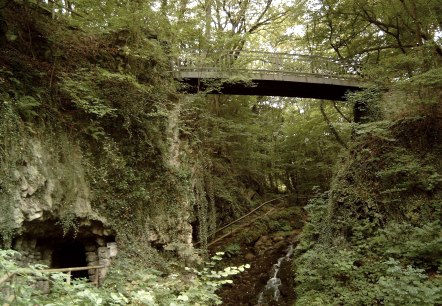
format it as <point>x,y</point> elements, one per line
<point>268,282</point>
<point>272,293</point>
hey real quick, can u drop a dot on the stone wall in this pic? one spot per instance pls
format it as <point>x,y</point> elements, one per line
<point>100,254</point>
<point>49,185</point>
<point>54,180</point>
<point>31,254</point>
<point>96,253</point>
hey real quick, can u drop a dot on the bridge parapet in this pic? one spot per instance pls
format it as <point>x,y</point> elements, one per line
<point>252,62</point>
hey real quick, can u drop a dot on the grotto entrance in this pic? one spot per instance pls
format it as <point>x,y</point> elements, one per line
<point>92,247</point>
<point>69,254</point>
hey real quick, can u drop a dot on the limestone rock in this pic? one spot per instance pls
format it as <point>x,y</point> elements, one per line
<point>48,183</point>
<point>91,256</point>
<point>103,252</point>
<point>112,247</point>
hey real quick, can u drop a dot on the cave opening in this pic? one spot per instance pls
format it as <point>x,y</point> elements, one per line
<point>70,254</point>
<point>44,242</point>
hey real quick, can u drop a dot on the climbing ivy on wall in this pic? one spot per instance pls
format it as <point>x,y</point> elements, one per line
<point>100,101</point>
<point>9,155</point>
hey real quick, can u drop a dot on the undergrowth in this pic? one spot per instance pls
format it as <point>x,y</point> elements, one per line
<point>126,285</point>
<point>374,238</point>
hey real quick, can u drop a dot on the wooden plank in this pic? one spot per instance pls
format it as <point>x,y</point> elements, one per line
<point>72,269</point>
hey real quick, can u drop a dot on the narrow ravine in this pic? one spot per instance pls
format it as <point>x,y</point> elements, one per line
<point>270,274</point>
<point>267,245</point>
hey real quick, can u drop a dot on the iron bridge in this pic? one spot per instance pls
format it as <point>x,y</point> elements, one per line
<point>265,74</point>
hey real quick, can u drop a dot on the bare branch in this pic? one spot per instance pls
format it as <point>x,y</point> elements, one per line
<point>331,127</point>
<point>340,112</point>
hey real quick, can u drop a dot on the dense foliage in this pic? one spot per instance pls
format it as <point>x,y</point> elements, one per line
<point>25,285</point>
<point>374,238</point>
<point>377,232</point>
<point>91,81</point>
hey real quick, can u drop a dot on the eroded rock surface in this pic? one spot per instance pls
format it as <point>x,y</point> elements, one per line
<point>49,184</point>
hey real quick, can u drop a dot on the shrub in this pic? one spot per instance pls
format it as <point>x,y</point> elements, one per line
<point>137,287</point>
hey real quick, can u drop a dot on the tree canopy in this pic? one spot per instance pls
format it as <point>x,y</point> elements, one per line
<point>92,80</point>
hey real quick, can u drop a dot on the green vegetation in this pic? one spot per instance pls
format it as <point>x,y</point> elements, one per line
<point>374,238</point>
<point>93,125</point>
<point>125,286</point>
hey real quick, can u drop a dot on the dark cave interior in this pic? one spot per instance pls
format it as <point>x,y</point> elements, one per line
<point>69,254</point>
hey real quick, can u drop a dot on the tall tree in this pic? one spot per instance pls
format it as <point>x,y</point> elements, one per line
<point>370,31</point>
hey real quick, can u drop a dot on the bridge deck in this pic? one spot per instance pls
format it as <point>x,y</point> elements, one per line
<point>268,84</point>
<point>243,72</point>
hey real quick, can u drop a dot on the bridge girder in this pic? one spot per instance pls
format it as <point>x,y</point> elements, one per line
<point>268,84</point>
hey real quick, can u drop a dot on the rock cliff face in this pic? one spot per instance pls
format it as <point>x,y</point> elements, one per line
<point>53,220</point>
<point>90,151</point>
<point>52,202</point>
<point>48,183</point>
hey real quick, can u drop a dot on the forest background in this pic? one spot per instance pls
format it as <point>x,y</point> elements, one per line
<point>97,75</point>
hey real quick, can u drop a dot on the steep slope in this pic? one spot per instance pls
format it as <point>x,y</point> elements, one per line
<point>83,152</point>
<point>375,237</point>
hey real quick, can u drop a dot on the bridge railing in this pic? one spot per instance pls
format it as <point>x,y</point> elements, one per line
<point>262,62</point>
